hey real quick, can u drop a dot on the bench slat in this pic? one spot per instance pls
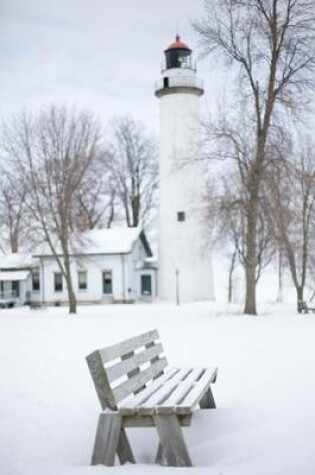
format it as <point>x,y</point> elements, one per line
<point>134,420</point>
<point>100,380</point>
<point>126,388</point>
<point>126,366</point>
<point>149,406</point>
<point>130,406</point>
<point>124,347</point>
<point>181,391</point>
<point>194,396</point>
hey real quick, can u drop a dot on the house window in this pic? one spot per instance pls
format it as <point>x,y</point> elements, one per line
<point>82,280</point>
<point>107,282</point>
<point>181,216</point>
<point>146,284</point>
<point>58,282</point>
<point>35,281</point>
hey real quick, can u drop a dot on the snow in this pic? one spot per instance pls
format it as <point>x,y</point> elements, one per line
<point>265,392</point>
<point>14,275</point>
<point>101,241</point>
<point>110,241</point>
<point>17,260</point>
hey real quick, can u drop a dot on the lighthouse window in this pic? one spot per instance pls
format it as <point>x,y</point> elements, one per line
<point>181,216</point>
<point>165,82</point>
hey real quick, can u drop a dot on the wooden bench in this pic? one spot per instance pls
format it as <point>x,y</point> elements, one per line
<point>304,308</point>
<point>137,388</point>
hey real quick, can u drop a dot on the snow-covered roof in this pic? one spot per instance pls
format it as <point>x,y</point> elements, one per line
<point>17,260</point>
<point>110,241</point>
<point>101,241</point>
<point>14,275</point>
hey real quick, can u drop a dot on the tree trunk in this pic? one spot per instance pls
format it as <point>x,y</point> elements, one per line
<point>280,277</point>
<point>135,206</point>
<point>71,295</point>
<point>231,270</point>
<point>72,301</point>
<point>111,214</point>
<point>299,294</point>
<point>250,263</point>
<point>14,242</point>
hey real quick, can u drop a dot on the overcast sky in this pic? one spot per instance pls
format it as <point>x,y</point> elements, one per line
<point>100,55</point>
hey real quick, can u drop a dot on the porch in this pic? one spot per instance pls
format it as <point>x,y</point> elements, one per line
<point>8,299</point>
<point>13,287</point>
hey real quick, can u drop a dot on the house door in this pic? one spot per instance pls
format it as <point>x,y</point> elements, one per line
<point>107,281</point>
<point>146,285</point>
<point>16,288</point>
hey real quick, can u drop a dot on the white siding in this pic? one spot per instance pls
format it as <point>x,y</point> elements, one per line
<point>94,266</point>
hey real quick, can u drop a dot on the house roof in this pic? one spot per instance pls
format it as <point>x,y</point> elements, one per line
<point>17,260</point>
<point>14,275</point>
<point>103,241</point>
<point>109,241</point>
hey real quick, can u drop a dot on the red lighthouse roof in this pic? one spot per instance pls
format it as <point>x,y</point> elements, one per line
<point>178,44</point>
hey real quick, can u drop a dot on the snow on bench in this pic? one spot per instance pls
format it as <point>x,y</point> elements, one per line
<point>137,388</point>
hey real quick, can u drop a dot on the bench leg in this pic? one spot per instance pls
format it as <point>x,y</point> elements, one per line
<point>173,447</point>
<point>207,402</point>
<point>106,440</point>
<point>124,450</point>
<point>159,455</point>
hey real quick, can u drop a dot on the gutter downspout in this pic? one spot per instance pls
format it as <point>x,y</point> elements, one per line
<point>123,277</point>
<point>43,280</point>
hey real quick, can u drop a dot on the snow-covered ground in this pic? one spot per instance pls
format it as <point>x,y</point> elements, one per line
<point>265,392</point>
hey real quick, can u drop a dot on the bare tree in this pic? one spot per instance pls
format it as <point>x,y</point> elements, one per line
<point>271,44</point>
<point>53,152</point>
<point>14,229</point>
<point>291,194</point>
<point>230,205</point>
<point>95,197</point>
<point>132,165</point>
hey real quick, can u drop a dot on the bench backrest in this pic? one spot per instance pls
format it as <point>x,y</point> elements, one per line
<point>125,368</point>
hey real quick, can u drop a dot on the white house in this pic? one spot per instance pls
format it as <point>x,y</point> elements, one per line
<point>107,265</point>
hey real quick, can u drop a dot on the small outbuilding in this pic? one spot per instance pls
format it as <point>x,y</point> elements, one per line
<point>19,279</point>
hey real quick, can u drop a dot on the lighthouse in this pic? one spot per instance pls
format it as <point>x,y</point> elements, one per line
<point>185,270</point>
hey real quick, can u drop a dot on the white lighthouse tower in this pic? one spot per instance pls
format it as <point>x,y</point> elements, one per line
<point>185,270</point>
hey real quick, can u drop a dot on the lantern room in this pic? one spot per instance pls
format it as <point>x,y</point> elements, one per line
<point>178,55</point>
<point>178,71</point>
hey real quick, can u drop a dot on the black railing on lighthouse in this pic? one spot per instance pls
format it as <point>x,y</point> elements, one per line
<point>179,81</point>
